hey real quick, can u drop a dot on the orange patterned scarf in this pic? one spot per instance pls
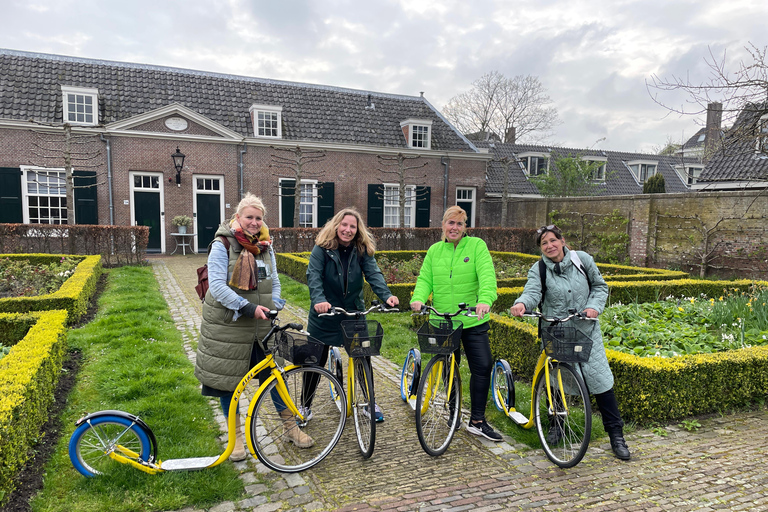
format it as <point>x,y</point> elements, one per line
<point>245,273</point>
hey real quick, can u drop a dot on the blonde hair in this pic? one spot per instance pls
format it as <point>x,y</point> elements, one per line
<point>454,211</point>
<point>363,240</point>
<point>249,200</point>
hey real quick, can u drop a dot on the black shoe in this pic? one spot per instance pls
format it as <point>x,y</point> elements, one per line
<point>483,429</point>
<point>618,445</point>
<point>555,434</point>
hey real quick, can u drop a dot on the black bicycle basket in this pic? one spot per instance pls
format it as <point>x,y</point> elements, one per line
<point>439,336</point>
<point>362,337</point>
<point>566,342</point>
<point>298,347</point>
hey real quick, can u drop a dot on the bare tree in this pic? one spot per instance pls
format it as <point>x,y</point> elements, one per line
<point>75,152</point>
<point>292,165</point>
<point>507,108</point>
<point>404,174</point>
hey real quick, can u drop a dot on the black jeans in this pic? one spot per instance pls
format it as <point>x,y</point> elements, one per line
<point>477,347</point>
<point>609,410</point>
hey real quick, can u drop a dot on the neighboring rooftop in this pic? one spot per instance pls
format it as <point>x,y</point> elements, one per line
<point>620,179</point>
<point>30,88</point>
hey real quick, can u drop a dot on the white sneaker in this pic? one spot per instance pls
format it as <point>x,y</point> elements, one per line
<point>306,413</point>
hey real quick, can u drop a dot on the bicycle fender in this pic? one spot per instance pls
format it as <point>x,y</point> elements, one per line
<point>128,416</point>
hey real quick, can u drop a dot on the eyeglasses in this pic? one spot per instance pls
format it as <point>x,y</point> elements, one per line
<point>542,229</point>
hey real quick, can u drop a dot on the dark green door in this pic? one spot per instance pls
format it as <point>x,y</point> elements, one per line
<point>10,196</point>
<point>147,211</point>
<point>208,219</point>
<point>86,207</point>
<point>467,207</point>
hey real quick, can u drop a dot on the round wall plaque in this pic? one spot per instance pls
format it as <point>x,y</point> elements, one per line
<point>176,124</point>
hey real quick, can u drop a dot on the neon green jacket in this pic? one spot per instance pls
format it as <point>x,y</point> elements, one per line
<point>454,275</point>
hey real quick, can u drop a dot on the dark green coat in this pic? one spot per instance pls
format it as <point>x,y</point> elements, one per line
<point>326,284</point>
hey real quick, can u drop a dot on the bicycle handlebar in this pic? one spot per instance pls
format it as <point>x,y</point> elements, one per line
<point>425,310</point>
<point>572,314</point>
<point>379,308</point>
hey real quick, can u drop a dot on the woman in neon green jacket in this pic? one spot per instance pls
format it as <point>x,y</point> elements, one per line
<point>460,269</point>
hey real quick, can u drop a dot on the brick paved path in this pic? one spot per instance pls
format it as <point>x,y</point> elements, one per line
<point>722,466</point>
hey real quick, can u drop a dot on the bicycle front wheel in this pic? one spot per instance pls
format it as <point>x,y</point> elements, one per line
<point>275,436</point>
<point>91,443</point>
<point>564,421</point>
<point>438,405</point>
<point>364,406</point>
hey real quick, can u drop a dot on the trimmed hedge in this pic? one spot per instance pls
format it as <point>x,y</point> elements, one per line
<point>653,389</point>
<point>73,295</point>
<point>28,378</point>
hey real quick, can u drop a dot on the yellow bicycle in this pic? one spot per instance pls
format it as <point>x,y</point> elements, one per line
<point>362,339</point>
<point>281,403</point>
<point>560,404</point>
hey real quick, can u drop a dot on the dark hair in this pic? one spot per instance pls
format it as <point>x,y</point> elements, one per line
<point>544,229</point>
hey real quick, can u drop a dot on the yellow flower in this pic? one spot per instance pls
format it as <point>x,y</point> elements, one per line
<point>679,308</point>
<point>721,298</point>
<point>692,299</point>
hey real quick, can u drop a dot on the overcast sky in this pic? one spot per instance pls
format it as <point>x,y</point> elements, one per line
<point>593,56</point>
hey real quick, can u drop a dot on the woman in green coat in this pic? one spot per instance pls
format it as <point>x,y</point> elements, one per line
<point>460,269</point>
<point>574,282</point>
<point>340,260</point>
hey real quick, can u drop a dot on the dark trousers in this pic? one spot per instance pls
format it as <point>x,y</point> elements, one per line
<point>477,348</point>
<point>609,410</point>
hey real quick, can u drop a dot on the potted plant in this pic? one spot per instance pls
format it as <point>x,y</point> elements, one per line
<point>182,222</point>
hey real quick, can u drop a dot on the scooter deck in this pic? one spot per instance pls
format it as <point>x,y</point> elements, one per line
<point>190,464</point>
<point>518,418</point>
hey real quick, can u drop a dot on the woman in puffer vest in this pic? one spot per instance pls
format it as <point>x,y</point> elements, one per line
<point>460,269</point>
<point>244,285</point>
<point>567,287</point>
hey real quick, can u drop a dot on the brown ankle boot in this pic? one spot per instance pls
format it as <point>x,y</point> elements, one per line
<point>293,432</point>
<point>238,453</point>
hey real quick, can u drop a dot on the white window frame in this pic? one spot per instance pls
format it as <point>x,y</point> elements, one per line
<point>640,164</point>
<point>473,200</point>
<point>688,173</point>
<point>525,158</point>
<point>393,207</point>
<point>761,143</point>
<point>603,165</point>
<point>61,188</point>
<point>313,203</point>
<point>272,110</point>
<point>84,92</point>
<point>420,138</point>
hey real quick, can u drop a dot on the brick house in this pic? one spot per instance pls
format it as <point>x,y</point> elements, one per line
<point>128,119</point>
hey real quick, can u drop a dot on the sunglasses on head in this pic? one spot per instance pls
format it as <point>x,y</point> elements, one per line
<point>542,229</point>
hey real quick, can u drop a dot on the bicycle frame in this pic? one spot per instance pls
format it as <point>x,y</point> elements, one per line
<point>434,380</point>
<point>541,366</point>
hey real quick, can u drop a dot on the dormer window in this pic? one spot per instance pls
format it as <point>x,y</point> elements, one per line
<point>80,105</point>
<point>535,164</point>
<point>642,169</point>
<point>267,121</point>
<point>762,135</point>
<point>598,167</point>
<point>690,173</point>
<point>418,133</point>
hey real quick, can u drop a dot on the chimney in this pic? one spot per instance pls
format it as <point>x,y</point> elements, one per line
<point>510,135</point>
<point>714,119</point>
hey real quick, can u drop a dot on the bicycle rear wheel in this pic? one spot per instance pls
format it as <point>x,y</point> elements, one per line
<point>91,443</point>
<point>409,377</point>
<point>364,406</point>
<point>564,425</point>
<point>272,436</point>
<point>438,405</point>
<point>503,386</point>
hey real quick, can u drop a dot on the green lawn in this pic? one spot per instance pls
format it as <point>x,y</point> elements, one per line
<point>133,360</point>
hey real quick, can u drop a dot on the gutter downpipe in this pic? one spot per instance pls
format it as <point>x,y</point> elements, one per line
<point>240,169</point>
<point>445,161</point>
<point>109,180</point>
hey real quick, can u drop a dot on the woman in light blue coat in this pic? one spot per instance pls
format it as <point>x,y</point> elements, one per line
<point>574,282</point>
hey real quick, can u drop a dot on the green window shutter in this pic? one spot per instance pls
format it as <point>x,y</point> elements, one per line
<point>287,189</point>
<point>325,193</point>
<point>11,209</point>
<point>423,197</point>
<point>375,205</point>
<point>86,204</point>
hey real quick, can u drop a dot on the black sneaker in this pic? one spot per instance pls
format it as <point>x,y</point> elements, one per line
<point>483,429</point>
<point>555,433</point>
